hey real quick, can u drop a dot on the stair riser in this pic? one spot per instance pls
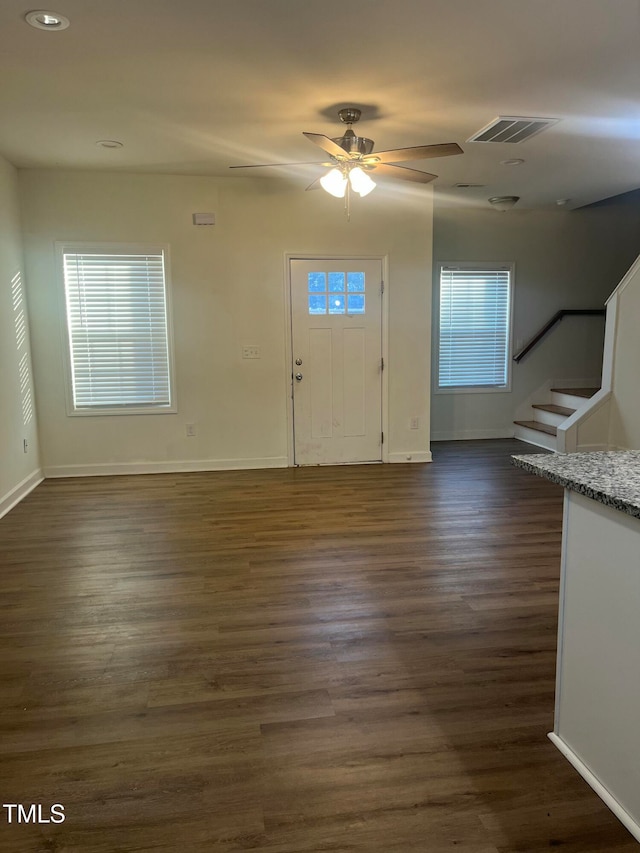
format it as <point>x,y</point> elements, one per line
<point>568,400</point>
<point>548,417</point>
<point>532,436</point>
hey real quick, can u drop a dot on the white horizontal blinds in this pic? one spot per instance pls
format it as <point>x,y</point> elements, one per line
<point>117,318</point>
<point>474,327</point>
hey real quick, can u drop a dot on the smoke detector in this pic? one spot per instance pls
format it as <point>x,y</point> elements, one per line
<point>504,202</point>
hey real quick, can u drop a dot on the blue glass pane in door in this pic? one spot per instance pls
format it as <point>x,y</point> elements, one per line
<point>336,303</point>
<point>355,281</point>
<point>355,303</point>
<point>317,303</point>
<point>336,282</point>
<point>317,281</point>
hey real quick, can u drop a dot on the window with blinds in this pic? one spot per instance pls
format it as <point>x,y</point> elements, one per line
<point>118,330</point>
<point>474,327</point>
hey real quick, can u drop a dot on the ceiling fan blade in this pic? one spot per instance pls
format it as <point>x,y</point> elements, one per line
<point>326,144</point>
<point>270,165</point>
<point>315,185</point>
<point>404,174</point>
<point>419,152</point>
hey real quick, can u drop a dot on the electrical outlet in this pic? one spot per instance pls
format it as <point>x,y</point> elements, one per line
<point>191,430</point>
<point>251,352</point>
<point>414,423</point>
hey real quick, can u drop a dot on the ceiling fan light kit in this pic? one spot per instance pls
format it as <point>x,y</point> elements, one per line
<point>360,181</point>
<point>335,183</point>
<point>352,158</point>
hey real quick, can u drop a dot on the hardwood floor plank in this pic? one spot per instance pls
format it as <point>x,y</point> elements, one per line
<point>290,661</point>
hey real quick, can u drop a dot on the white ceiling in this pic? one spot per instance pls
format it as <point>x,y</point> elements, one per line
<point>195,86</point>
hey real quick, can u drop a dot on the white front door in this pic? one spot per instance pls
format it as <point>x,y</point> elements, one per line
<point>336,317</point>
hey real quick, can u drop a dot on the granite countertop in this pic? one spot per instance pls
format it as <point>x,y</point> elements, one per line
<point>611,477</point>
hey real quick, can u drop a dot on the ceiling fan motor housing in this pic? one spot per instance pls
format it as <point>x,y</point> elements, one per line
<point>353,144</point>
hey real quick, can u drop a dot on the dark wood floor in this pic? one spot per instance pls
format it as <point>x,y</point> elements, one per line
<point>290,661</point>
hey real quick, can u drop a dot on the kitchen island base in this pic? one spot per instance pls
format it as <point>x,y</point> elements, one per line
<point>597,715</point>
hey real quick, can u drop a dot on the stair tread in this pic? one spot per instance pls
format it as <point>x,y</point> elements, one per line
<point>540,427</point>
<point>576,392</point>
<point>556,410</point>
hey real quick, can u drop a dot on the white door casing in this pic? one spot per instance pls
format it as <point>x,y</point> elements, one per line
<point>336,353</point>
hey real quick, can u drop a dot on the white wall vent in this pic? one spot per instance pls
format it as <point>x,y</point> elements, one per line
<point>512,129</point>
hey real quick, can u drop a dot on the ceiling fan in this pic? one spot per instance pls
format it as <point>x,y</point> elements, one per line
<point>353,160</point>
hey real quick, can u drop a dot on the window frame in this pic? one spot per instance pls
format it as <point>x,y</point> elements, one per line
<point>69,246</point>
<point>490,266</point>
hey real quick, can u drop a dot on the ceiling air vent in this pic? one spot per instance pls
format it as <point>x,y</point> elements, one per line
<point>512,129</point>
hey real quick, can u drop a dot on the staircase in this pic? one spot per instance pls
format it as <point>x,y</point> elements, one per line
<point>542,429</point>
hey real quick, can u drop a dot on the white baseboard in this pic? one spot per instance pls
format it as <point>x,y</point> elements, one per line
<point>109,469</point>
<point>20,491</point>
<point>411,456</point>
<point>607,798</point>
<point>590,448</point>
<point>470,434</point>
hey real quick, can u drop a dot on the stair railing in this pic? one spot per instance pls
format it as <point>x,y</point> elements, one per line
<point>564,312</point>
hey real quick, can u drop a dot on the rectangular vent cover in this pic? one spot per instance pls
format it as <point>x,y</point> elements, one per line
<point>512,129</point>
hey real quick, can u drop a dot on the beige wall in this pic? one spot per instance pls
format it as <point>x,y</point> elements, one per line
<point>564,259</point>
<point>18,470</point>
<point>228,290</point>
<point>624,424</point>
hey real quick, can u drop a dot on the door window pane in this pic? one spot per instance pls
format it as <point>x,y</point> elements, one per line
<point>317,303</point>
<point>336,282</point>
<point>355,281</point>
<point>317,281</point>
<point>326,292</point>
<point>355,303</point>
<point>336,303</point>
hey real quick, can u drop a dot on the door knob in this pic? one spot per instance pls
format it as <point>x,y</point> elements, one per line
<point>298,376</point>
<point>298,361</point>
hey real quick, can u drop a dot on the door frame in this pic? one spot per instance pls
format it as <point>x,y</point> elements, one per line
<point>384,319</point>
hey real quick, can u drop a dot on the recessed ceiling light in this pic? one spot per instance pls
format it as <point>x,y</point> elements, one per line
<point>516,161</point>
<point>43,20</point>
<point>109,143</point>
